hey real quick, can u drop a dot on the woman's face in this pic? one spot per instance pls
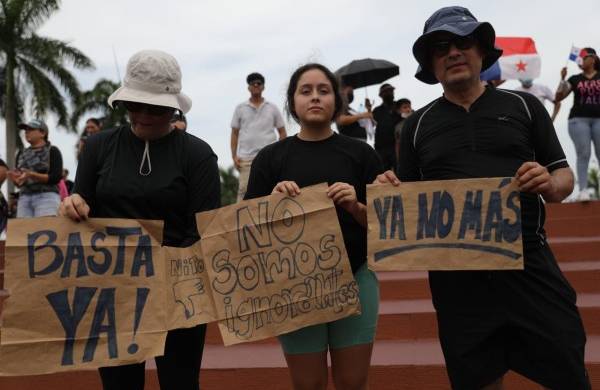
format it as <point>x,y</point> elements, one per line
<point>34,136</point>
<point>149,121</point>
<point>314,100</point>
<point>588,62</point>
<point>91,128</point>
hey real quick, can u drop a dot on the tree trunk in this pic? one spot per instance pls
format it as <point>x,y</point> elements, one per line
<point>10,117</point>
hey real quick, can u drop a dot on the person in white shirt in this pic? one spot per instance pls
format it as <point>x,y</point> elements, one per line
<point>541,92</point>
<point>252,128</point>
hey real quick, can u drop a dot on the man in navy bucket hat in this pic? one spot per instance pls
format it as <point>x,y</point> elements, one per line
<point>493,321</point>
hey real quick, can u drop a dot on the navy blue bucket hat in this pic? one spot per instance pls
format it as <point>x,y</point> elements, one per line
<point>458,21</point>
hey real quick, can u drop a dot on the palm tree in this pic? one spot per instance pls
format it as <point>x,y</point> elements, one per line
<point>34,66</point>
<point>229,186</point>
<point>95,100</point>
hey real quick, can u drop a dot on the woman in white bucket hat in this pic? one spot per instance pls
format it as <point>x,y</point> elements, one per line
<point>147,170</point>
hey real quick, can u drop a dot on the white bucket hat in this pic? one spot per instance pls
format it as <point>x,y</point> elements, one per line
<point>153,77</point>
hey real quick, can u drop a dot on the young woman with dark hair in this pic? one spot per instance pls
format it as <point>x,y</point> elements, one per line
<point>315,155</point>
<point>584,118</point>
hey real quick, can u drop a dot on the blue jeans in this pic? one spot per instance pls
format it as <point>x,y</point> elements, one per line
<point>40,204</point>
<point>583,132</point>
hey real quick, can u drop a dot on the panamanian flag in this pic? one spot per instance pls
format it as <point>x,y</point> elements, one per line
<point>520,60</point>
<point>577,55</point>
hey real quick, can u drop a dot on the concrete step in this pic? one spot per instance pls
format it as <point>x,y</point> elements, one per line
<point>572,210</point>
<point>584,276</point>
<point>410,365</point>
<point>575,248</point>
<point>573,227</point>
<point>415,319</point>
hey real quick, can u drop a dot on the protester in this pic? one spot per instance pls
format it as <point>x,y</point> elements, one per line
<point>179,121</point>
<point>252,128</point>
<point>404,109</point>
<point>92,126</point>
<point>584,118</point>
<point>3,203</point>
<point>351,123</point>
<point>38,171</point>
<point>3,171</point>
<point>148,171</point>
<point>315,155</point>
<point>69,183</point>
<point>386,118</point>
<point>541,92</point>
<point>493,321</point>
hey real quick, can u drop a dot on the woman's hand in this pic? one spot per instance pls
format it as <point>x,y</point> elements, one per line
<point>343,195</point>
<point>74,207</point>
<point>290,188</point>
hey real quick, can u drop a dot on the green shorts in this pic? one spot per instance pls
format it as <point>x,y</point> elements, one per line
<point>346,332</point>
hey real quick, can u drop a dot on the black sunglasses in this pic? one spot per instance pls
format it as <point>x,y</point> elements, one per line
<point>442,48</point>
<point>149,108</point>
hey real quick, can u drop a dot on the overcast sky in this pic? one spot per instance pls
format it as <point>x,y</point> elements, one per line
<point>217,43</point>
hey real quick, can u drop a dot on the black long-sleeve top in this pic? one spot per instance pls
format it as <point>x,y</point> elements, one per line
<point>184,180</point>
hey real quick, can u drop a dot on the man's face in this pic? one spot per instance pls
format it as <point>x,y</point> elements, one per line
<point>455,60</point>
<point>405,109</point>
<point>256,87</point>
<point>387,95</point>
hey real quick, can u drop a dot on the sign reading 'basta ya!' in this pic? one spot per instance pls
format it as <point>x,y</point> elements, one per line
<point>104,292</point>
<point>472,224</point>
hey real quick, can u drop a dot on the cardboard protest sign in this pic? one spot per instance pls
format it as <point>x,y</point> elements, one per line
<point>471,224</point>
<point>188,291</point>
<point>83,295</point>
<point>276,264</point>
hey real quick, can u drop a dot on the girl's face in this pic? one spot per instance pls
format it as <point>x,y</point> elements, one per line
<point>33,136</point>
<point>314,100</point>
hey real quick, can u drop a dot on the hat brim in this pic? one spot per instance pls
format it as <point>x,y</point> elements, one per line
<point>485,34</point>
<point>178,101</point>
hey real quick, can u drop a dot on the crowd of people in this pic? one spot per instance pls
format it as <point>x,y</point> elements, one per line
<point>489,321</point>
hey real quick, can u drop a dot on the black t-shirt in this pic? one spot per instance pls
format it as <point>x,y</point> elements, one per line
<point>354,130</point>
<point>46,159</point>
<point>335,159</point>
<point>586,96</point>
<point>184,180</point>
<point>502,130</point>
<point>386,119</point>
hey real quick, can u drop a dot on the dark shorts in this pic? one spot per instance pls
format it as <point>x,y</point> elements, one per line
<point>526,321</point>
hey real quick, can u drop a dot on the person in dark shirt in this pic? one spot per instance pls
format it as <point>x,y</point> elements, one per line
<point>38,171</point>
<point>3,203</point>
<point>584,118</point>
<point>386,118</point>
<point>350,123</point>
<point>493,321</point>
<point>315,155</point>
<point>149,171</point>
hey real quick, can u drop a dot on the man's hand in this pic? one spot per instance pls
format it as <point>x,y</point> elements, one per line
<point>74,207</point>
<point>387,177</point>
<point>237,162</point>
<point>535,178</point>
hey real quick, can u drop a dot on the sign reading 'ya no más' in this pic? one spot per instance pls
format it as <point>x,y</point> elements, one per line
<point>472,224</point>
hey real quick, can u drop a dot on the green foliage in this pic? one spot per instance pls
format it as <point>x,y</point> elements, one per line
<point>95,101</point>
<point>229,186</point>
<point>594,182</point>
<point>35,67</point>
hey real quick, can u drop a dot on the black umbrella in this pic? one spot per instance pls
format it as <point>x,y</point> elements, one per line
<point>367,71</point>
